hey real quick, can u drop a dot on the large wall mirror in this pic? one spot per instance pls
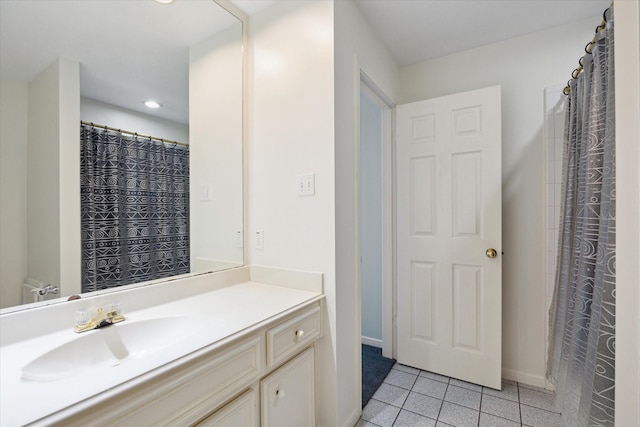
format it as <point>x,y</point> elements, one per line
<point>63,63</point>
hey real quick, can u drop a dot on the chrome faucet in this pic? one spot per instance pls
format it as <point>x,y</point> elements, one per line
<point>86,322</point>
<point>49,289</point>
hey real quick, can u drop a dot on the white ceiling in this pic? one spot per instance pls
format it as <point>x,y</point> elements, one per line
<point>105,39</point>
<point>418,30</point>
<point>129,51</point>
<point>252,6</point>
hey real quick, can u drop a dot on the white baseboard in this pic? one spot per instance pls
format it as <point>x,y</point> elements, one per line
<point>355,416</point>
<point>373,342</point>
<point>521,377</point>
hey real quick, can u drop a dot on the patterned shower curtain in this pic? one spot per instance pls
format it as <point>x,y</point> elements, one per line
<point>582,315</point>
<point>135,208</point>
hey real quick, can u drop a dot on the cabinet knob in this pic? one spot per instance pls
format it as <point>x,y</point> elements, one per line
<point>280,394</point>
<point>299,333</point>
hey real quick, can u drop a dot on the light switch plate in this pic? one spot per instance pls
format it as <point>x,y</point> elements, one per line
<point>239,239</point>
<point>260,239</point>
<point>306,184</point>
<point>205,192</point>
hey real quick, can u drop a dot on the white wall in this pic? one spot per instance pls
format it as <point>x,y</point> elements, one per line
<point>13,191</point>
<point>69,177</point>
<point>523,66</point>
<point>43,184</point>
<point>627,51</point>
<point>53,177</point>
<point>291,124</point>
<point>215,118</point>
<point>371,220</point>
<point>356,48</point>
<point>101,113</point>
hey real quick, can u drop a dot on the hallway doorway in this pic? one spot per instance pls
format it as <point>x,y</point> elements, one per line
<point>375,216</point>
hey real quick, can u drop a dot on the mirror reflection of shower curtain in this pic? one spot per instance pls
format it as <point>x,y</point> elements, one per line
<point>582,315</point>
<point>134,208</point>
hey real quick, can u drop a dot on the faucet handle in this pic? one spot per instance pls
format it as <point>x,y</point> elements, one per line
<point>115,312</point>
<point>115,309</point>
<point>83,320</point>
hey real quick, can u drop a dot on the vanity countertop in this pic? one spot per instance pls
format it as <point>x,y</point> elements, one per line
<point>217,317</point>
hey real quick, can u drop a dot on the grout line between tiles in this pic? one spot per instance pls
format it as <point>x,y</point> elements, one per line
<point>541,409</point>
<point>480,408</point>
<point>416,413</point>
<point>405,399</point>
<point>401,407</point>
<point>519,404</point>
<point>396,418</point>
<point>442,401</point>
<point>501,417</point>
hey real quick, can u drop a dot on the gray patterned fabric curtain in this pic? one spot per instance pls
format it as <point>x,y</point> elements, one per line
<point>135,209</point>
<point>581,360</point>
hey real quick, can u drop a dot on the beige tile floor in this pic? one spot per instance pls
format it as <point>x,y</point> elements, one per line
<point>411,397</point>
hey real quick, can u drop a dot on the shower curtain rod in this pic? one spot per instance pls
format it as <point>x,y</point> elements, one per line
<point>588,48</point>
<point>155,138</point>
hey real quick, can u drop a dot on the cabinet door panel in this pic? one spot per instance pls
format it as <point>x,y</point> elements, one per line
<point>288,394</point>
<point>242,411</point>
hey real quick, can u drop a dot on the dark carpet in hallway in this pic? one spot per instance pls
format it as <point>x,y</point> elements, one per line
<point>375,368</point>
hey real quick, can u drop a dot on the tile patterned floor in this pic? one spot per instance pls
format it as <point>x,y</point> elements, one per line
<point>409,397</point>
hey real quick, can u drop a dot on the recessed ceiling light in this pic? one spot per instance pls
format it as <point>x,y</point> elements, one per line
<point>153,104</point>
<point>164,1</point>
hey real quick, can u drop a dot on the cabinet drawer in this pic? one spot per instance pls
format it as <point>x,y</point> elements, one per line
<point>293,335</point>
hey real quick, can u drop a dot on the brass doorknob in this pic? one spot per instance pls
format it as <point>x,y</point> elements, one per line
<point>491,253</point>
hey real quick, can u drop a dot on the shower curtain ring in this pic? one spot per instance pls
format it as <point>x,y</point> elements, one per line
<point>589,47</point>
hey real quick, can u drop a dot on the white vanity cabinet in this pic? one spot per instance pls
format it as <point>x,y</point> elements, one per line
<point>287,399</point>
<point>288,394</point>
<point>262,376</point>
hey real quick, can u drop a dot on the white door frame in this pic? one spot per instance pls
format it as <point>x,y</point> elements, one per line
<point>388,208</point>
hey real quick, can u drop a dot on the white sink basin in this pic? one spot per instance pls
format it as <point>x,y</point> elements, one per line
<point>151,335</point>
<point>110,346</point>
<point>71,358</point>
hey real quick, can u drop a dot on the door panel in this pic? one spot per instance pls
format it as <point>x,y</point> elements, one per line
<point>448,214</point>
<point>422,194</point>
<point>423,294</point>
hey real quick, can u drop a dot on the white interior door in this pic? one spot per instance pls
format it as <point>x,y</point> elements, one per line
<point>449,291</point>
